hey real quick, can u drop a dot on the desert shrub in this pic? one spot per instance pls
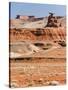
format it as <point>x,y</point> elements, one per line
<point>55,41</point>
<point>45,48</point>
<point>39,44</point>
<point>48,44</point>
<point>62,43</point>
<point>30,84</point>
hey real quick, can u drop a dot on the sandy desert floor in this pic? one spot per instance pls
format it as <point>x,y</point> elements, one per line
<point>37,72</point>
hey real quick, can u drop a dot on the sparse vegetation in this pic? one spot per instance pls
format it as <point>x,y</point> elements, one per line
<point>62,43</point>
<point>47,46</point>
<point>30,84</point>
<point>39,44</point>
<point>43,45</point>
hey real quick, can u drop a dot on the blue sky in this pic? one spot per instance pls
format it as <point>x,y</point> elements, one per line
<point>38,10</point>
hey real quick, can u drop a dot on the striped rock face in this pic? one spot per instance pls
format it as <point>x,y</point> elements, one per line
<point>46,34</point>
<point>37,30</point>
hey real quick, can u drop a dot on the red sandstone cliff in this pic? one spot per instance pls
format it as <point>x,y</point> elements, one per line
<point>54,34</point>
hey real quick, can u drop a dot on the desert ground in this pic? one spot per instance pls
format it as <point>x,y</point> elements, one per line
<point>38,72</point>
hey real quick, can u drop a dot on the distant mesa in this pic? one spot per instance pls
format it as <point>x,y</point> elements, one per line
<point>51,27</point>
<point>25,18</point>
<point>24,21</point>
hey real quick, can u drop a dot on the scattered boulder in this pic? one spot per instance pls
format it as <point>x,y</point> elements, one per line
<point>53,83</point>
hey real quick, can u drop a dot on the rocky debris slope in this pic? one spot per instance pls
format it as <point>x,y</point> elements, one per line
<point>19,49</point>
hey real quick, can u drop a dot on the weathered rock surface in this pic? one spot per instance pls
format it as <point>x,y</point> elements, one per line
<point>54,34</point>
